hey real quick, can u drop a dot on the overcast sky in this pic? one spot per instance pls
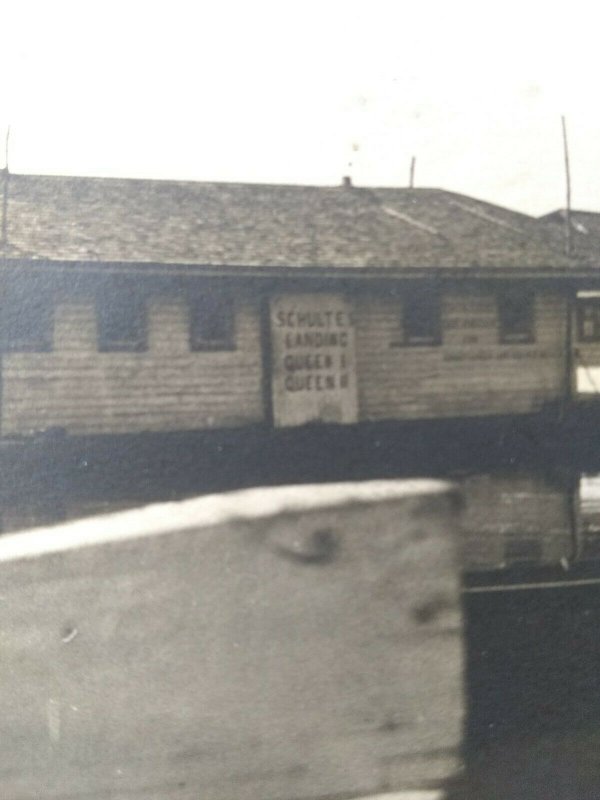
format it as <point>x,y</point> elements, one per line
<point>306,92</point>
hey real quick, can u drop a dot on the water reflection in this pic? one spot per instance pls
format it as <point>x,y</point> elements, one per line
<point>588,527</point>
<point>517,519</point>
<point>529,519</point>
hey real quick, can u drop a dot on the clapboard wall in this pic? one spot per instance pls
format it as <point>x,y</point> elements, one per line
<point>168,387</point>
<point>165,388</point>
<point>470,373</point>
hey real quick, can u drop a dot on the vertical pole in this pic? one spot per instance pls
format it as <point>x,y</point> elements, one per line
<point>412,173</point>
<point>574,518</point>
<point>568,248</point>
<point>3,244</point>
<point>570,364</point>
<point>4,230</point>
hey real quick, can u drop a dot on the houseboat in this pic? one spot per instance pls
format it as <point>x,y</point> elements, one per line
<point>253,334</point>
<point>145,307</point>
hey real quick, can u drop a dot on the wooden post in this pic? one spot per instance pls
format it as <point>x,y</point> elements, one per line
<point>5,178</point>
<point>270,643</point>
<point>568,233</point>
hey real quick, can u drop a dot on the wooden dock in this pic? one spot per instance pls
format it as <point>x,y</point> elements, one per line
<point>270,644</point>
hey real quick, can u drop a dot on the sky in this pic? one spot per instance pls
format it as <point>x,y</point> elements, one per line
<point>281,91</point>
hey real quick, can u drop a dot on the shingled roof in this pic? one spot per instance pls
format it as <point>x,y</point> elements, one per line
<point>585,230</point>
<point>252,225</point>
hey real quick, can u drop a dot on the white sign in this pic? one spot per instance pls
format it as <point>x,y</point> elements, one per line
<point>313,360</point>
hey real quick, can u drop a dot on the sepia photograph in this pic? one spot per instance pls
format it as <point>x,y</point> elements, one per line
<point>299,401</point>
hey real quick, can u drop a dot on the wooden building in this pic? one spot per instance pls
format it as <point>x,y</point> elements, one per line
<point>134,306</point>
<point>584,227</point>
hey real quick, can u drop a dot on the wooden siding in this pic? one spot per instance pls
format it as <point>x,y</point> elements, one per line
<point>165,388</point>
<point>470,373</point>
<point>169,388</point>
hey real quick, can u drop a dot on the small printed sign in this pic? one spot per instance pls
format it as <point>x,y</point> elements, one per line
<point>313,360</point>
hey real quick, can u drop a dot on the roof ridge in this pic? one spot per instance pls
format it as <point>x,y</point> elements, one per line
<point>202,182</point>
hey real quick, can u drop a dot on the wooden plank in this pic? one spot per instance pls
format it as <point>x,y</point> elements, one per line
<point>276,643</point>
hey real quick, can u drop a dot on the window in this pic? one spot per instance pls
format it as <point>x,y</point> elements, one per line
<point>588,320</point>
<point>211,322</point>
<point>26,322</point>
<point>516,319</point>
<point>121,319</point>
<point>421,317</point>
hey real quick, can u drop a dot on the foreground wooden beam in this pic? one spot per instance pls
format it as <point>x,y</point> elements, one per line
<point>268,644</point>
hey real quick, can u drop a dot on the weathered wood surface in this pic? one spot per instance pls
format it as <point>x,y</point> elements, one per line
<point>165,388</point>
<point>263,645</point>
<point>471,373</point>
<point>169,388</point>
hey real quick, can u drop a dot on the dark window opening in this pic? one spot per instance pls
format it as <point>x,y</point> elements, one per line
<point>121,319</point>
<point>26,322</point>
<point>212,322</point>
<point>516,317</point>
<point>421,318</point>
<point>588,320</point>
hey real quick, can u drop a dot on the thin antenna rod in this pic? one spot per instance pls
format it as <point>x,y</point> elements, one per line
<point>412,172</point>
<point>4,231</point>
<point>568,247</point>
<point>6,148</point>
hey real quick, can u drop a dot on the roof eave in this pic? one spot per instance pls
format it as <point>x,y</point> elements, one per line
<point>566,270</point>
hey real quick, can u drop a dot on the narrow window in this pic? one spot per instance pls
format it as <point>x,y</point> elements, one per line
<point>121,319</point>
<point>516,318</point>
<point>588,320</point>
<point>26,322</point>
<point>421,318</point>
<point>212,321</point>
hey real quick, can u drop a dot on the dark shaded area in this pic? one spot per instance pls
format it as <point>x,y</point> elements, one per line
<point>157,467</point>
<point>533,690</point>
